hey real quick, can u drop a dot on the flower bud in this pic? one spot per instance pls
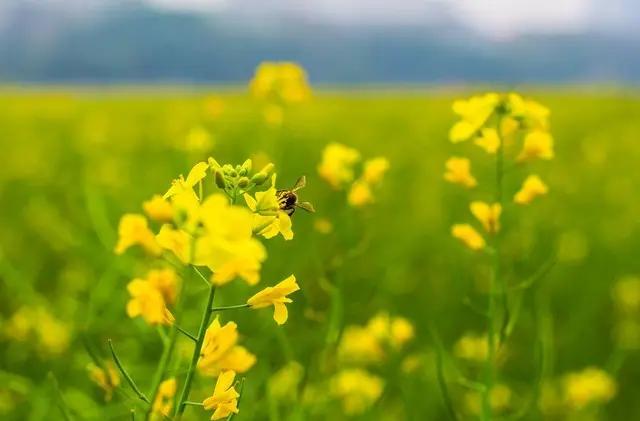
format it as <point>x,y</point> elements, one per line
<point>243,182</point>
<point>219,177</point>
<point>246,165</point>
<point>259,178</point>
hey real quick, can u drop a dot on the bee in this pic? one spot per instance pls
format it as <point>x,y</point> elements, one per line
<point>288,199</point>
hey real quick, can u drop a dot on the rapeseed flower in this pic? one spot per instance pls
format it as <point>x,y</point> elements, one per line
<point>337,164</point>
<point>269,220</point>
<point>488,215</point>
<point>469,236</point>
<point>158,209</point>
<point>220,350</point>
<point>374,170</point>
<point>532,187</point>
<point>395,331</point>
<point>106,378</point>
<point>489,140</point>
<point>134,230</point>
<point>163,403</point>
<point>591,385</point>
<point>276,296</point>
<point>472,347</point>
<point>360,194</point>
<point>500,399</point>
<point>166,282</point>
<point>284,82</point>
<point>224,400</point>
<point>147,301</point>
<point>538,144</point>
<point>357,389</point>
<point>180,184</point>
<point>458,171</point>
<point>361,345</point>
<point>474,113</point>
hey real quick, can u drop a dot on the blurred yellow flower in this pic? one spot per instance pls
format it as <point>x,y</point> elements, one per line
<point>533,114</point>
<point>28,323</point>
<point>360,194</point>
<point>283,384</point>
<point>474,113</point>
<point>134,230</point>
<point>357,389</point>
<point>283,81</point>
<point>499,399</point>
<point>374,170</point>
<point>395,331</point>
<point>458,171</point>
<point>532,187</point>
<point>273,115</point>
<point>538,144</point>
<point>165,281</point>
<point>591,385</point>
<point>626,294</point>
<point>488,140</point>
<point>323,225</point>
<point>472,347</point>
<point>488,215</point>
<point>198,140</point>
<point>337,164</point>
<point>469,236</point>
<point>359,344</point>
<point>163,403</point>
<point>224,400</point>
<point>106,378</point>
<point>220,350</point>
<point>276,296</point>
<point>158,209</point>
<point>228,249</point>
<point>177,241</point>
<point>147,301</point>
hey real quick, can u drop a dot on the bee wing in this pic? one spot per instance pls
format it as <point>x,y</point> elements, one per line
<point>306,206</point>
<point>302,181</point>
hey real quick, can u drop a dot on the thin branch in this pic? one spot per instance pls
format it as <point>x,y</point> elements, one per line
<point>229,307</point>
<point>206,281</point>
<point>187,334</point>
<point>126,375</point>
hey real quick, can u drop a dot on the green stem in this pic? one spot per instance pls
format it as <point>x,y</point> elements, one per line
<point>185,333</point>
<point>191,403</point>
<point>167,352</point>
<point>206,316</point>
<point>126,375</point>
<point>223,308</point>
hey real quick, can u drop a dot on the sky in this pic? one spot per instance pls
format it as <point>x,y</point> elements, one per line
<point>494,18</point>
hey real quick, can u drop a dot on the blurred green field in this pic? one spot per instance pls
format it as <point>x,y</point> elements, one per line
<point>72,162</point>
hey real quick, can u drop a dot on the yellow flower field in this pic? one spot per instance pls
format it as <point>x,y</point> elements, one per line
<point>284,252</point>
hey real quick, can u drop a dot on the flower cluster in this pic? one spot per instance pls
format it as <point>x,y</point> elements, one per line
<point>367,345</point>
<point>279,84</point>
<point>38,326</point>
<point>338,169</point>
<point>577,392</point>
<point>106,377</point>
<point>510,127</point>
<point>211,220</point>
<point>626,299</point>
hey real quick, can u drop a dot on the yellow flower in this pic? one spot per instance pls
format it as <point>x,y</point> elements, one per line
<point>458,171</point>
<point>374,170</point>
<point>276,296</point>
<point>163,403</point>
<point>474,113</point>
<point>499,399</point>
<point>360,345</point>
<point>180,185</point>
<point>360,194</point>
<point>468,235</point>
<point>147,301</point>
<point>488,140</point>
<point>107,379</point>
<point>591,385</point>
<point>357,389</point>
<point>396,331</point>
<point>165,281</point>
<point>177,241</point>
<point>488,215</point>
<point>285,81</point>
<point>273,115</point>
<point>269,220</point>
<point>198,139</point>
<point>472,347</point>
<point>228,248</point>
<point>531,188</point>
<point>224,400</point>
<point>283,384</point>
<point>533,114</point>
<point>134,230</point>
<point>626,294</point>
<point>537,145</point>
<point>220,350</point>
<point>158,209</point>
<point>52,335</point>
<point>323,225</point>
<point>337,163</point>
